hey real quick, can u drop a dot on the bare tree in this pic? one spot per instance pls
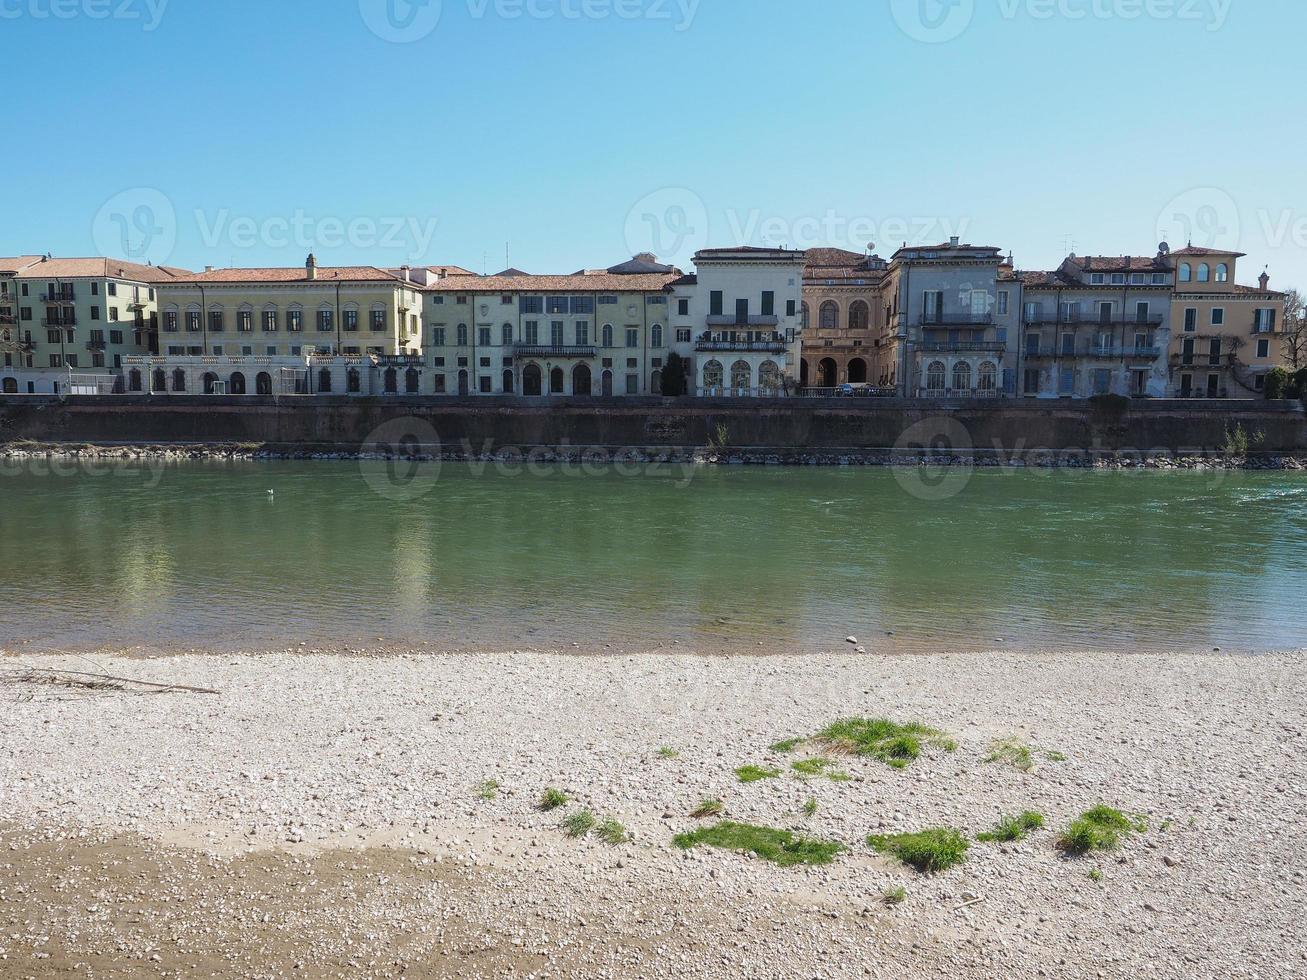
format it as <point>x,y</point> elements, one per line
<point>1295,329</point>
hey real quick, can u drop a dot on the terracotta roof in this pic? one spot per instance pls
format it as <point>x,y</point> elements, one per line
<point>949,246</point>
<point>749,250</point>
<point>834,256</point>
<point>297,274</point>
<point>603,282</point>
<point>108,268</point>
<point>451,270</point>
<point>1243,291</point>
<point>1121,263</point>
<point>1195,250</point>
<point>15,263</point>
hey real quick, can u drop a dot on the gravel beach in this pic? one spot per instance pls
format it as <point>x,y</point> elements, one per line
<point>377,816</point>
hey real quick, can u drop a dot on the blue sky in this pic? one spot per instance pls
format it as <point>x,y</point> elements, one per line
<point>579,131</point>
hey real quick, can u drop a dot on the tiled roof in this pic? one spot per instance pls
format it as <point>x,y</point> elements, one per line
<point>108,268</point>
<point>1198,251</point>
<point>1121,263</point>
<point>751,249</point>
<point>15,263</point>
<point>297,274</point>
<point>451,270</point>
<point>834,256</point>
<point>1245,291</point>
<point>604,282</point>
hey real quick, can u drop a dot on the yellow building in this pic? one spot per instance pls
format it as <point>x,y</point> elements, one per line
<point>76,320</point>
<point>1225,338</point>
<point>843,317</point>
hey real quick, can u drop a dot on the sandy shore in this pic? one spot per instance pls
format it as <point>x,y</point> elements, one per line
<point>321,816</point>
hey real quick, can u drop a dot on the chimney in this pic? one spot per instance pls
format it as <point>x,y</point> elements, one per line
<point>208,268</point>
<point>406,273</point>
<point>954,241</point>
<point>311,267</point>
<point>1264,280</point>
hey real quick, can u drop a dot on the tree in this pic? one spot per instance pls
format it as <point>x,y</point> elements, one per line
<point>674,383</point>
<point>1295,329</point>
<point>1277,383</point>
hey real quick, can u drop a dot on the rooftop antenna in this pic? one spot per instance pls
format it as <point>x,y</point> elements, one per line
<point>508,262</point>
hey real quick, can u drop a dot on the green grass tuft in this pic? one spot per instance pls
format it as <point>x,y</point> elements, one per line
<point>1014,828</point>
<point>1100,829</point>
<point>810,807</point>
<point>785,745</point>
<point>612,832</point>
<point>808,768</point>
<point>488,790</point>
<point>1052,755</point>
<point>708,808</point>
<point>896,895</point>
<point>892,743</point>
<point>929,851</point>
<point>1095,875</point>
<point>752,774</point>
<point>551,799</point>
<point>778,846</point>
<point>1013,752</point>
<point>667,752</point>
<point>579,824</point>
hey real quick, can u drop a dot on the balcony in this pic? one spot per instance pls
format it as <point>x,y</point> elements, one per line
<point>59,297</point>
<point>8,320</point>
<point>752,320</point>
<point>1090,320</point>
<point>69,320</point>
<point>399,360</point>
<point>956,319</point>
<point>729,342</point>
<point>1129,351</point>
<point>552,350</point>
<point>97,344</point>
<point>961,346</point>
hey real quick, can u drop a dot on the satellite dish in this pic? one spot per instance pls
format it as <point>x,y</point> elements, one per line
<point>871,246</point>
<point>1164,249</point>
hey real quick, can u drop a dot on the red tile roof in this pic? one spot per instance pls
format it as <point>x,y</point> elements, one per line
<point>295,274</point>
<point>1198,251</point>
<point>101,268</point>
<point>590,282</point>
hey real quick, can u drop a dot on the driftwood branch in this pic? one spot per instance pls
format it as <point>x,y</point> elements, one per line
<point>85,678</point>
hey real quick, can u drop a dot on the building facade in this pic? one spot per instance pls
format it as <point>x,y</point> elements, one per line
<point>843,319</point>
<point>1226,337</point>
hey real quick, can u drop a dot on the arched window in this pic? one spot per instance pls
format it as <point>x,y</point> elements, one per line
<point>556,380</point>
<point>769,377</point>
<point>656,336</point>
<point>160,382</point>
<point>210,382</point>
<point>1222,273</point>
<point>324,379</point>
<point>531,380</point>
<point>236,384</point>
<point>263,383</point>
<point>463,383</point>
<point>1204,273</point>
<point>11,386</point>
<point>803,316</point>
<point>935,376</point>
<point>508,382</point>
<point>353,381</point>
<point>412,381</point>
<point>987,379</point>
<point>859,316</point>
<point>607,339</point>
<point>1186,272</point>
<point>179,380</point>
<point>741,375</point>
<point>656,382</point>
<point>962,376</point>
<point>606,384</point>
<point>714,376</point>
<point>134,380</point>
<point>390,381</point>
<point>857,371</point>
<point>581,379</point>
<point>830,316</point>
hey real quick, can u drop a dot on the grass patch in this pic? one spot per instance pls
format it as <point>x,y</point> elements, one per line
<point>551,799</point>
<point>1053,755</point>
<point>778,846</point>
<point>1014,828</point>
<point>892,743</point>
<point>809,768</point>
<point>753,774</point>
<point>929,851</point>
<point>488,790</point>
<point>1012,752</point>
<point>708,808</point>
<point>1095,875</point>
<point>667,752</point>
<point>895,896</point>
<point>785,745</point>
<point>1100,829</point>
<point>579,824</point>
<point>612,832</point>
<point>810,807</point>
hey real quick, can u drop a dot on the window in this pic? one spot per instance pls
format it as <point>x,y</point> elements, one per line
<point>962,376</point>
<point>115,336</point>
<point>859,316</point>
<point>583,305</point>
<point>1003,298</point>
<point>1263,348</point>
<point>326,320</point>
<point>440,384</point>
<point>1032,381</point>
<point>1159,278</point>
<point>830,316</point>
<point>483,336</point>
<point>682,336</point>
<point>113,289</point>
<point>294,320</point>
<point>1218,317</point>
<point>215,321</point>
<point>378,320</point>
<point>655,301</point>
<point>270,323</point>
<point>506,335</point>
<point>683,307</point>
<point>935,375</point>
<point>656,336</point>
<point>1067,382</point>
<point>1204,273</point>
<point>987,378</point>
<point>556,333</point>
<point>768,303</point>
<point>789,308</point>
<point>632,384</point>
<point>556,304</point>
<point>1222,273</point>
<point>715,303</point>
<point>607,300</point>
<point>582,333</point>
<point>170,321</point>
<point>1264,321</point>
<point>113,313</point>
<point>461,335</point>
<point>531,304</point>
<point>1097,279</point>
<point>437,301</point>
<point>505,300</point>
<point>1138,279</point>
<point>632,337</point>
<point>1032,344</point>
<point>1186,272</point>
<point>56,360</point>
<point>532,333</point>
<point>1190,319</point>
<point>607,338</point>
<point>95,313</point>
<point>351,320</point>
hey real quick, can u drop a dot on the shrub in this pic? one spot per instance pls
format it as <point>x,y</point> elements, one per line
<point>708,808</point>
<point>674,381</point>
<point>612,832</point>
<point>579,824</point>
<point>488,790</point>
<point>1278,381</point>
<point>894,744</point>
<point>929,851</point>
<point>551,799</point>
<point>778,846</point>
<point>810,807</point>
<point>896,895</point>
<point>1099,829</point>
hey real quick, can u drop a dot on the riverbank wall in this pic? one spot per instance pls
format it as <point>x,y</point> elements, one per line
<point>771,430</point>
